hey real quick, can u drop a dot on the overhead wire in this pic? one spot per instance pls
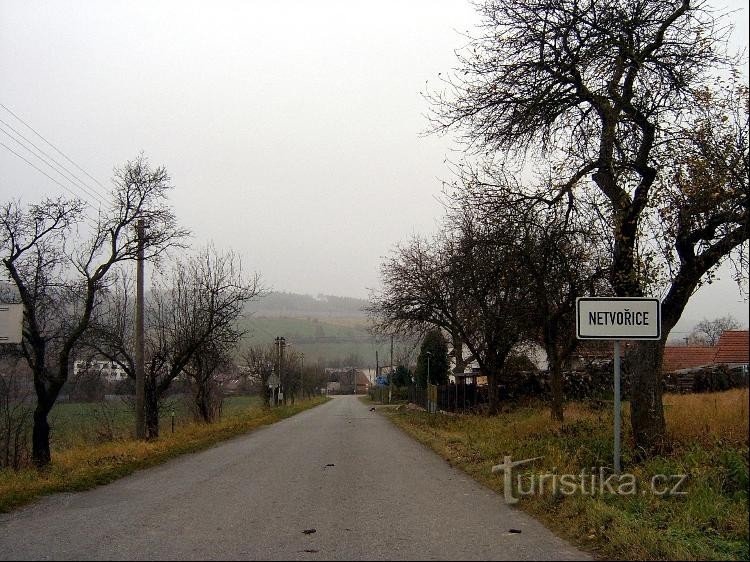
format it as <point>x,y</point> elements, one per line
<point>84,191</point>
<point>91,221</point>
<point>46,159</point>
<point>53,146</point>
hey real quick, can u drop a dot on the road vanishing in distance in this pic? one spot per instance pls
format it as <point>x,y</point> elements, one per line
<point>337,482</point>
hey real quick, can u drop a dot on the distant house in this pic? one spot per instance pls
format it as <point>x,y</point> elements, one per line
<point>685,357</point>
<point>733,349</point>
<point>594,352</point>
<point>347,380</point>
<point>111,371</point>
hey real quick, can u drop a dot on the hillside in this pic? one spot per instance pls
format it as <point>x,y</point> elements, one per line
<point>293,305</point>
<point>326,328</point>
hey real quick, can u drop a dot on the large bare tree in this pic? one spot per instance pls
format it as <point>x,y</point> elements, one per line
<point>610,94</point>
<point>191,326</point>
<point>465,282</point>
<point>59,275</point>
<point>561,255</point>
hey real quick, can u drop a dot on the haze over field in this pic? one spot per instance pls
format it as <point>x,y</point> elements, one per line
<point>323,327</point>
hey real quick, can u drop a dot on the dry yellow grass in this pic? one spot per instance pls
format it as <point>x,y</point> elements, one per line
<point>704,418</point>
<point>710,434</point>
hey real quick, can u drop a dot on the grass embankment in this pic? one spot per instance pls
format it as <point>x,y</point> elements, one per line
<point>87,465</point>
<point>709,444</point>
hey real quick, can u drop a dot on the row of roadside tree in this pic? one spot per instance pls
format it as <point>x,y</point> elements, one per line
<point>605,153</point>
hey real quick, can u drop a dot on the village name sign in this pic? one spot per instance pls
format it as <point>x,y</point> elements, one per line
<point>624,318</point>
<point>618,318</point>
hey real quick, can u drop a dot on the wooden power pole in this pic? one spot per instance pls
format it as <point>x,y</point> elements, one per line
<point>140,381</point>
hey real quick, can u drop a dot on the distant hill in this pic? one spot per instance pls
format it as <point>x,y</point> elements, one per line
<point>294,305</point>
<point>334,330</point>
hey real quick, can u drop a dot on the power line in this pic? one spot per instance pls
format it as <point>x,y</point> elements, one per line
<point>79,184</point>
<point>90,190</point>
<point>65,187</point>
<point>53,146</point>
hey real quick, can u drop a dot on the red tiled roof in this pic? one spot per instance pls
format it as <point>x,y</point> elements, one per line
<point>733,347</point>
<point>686,357</point>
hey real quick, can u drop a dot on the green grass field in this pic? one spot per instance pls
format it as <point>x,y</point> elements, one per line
<point>83,423</point>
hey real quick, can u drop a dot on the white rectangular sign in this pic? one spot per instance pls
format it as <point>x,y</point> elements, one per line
<point>11,322</point>
<point>273,381</point>
<point>618,318</point>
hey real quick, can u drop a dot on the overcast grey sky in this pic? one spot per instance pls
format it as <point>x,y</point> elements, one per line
<point>291,129</point>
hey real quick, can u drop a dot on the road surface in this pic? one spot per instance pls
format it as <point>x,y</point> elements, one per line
<point>366,489</point>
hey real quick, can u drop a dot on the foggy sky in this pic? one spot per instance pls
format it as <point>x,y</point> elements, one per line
<point>291,129</point>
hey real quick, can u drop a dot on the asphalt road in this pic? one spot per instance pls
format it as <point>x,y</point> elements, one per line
<point>368,491</point>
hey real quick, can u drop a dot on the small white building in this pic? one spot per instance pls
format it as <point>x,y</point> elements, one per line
<point>109,370</point>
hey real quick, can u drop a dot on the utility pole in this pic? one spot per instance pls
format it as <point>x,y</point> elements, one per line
<point>302,376</point>
<point>429,406</point>
<point>390,377</point>
<point>140,382</point>
<point>377,366</point>
<point>280,344</point>
<point>281,367</point>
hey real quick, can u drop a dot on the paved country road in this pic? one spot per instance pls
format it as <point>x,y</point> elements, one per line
<point>368,490</point>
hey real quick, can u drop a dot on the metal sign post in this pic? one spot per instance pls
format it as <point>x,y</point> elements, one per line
<point>623,318</point>
<point>273,383</point>
<point>618,409</point>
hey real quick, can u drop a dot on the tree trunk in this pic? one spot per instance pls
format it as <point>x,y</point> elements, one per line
<point>207,401</point>
<point>644,366</point>
<point>556,387</point>
<point>40,437</point>
<point>458,354</point>
<point>151,406</point>
<point>47,391</point>
<point>646,408</point>
<point>200,400</point>
<point>494,399</point>
<point>266,394</point>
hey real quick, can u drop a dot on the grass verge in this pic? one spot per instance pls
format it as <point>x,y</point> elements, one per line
<point>86,466</point>
<point>709,436</point>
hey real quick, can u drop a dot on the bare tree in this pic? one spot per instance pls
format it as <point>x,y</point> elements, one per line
<point>204,371</point>
<point>603,92</point>
<point>259,361</point>
<point>465,282</point>
<point>558,250</point>
<point>222,293</point>
<point>710,330</point>
<point>291,374</point>
<point>60,278</point>
<point>191,324</point>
